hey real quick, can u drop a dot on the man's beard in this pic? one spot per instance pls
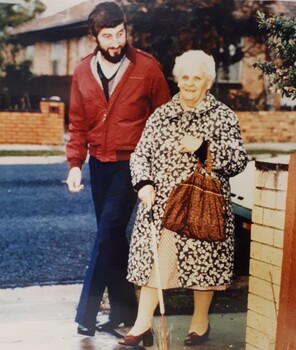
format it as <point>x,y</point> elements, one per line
<point>113,59</point>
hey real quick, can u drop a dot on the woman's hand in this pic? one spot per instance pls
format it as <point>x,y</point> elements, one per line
<point>74,180</point>
<point>190,144</point>
<point>147,195</point>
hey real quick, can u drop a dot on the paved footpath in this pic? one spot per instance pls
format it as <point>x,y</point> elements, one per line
<point>42,318</point>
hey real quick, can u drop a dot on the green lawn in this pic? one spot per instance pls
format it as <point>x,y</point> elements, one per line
<point>32,153</point>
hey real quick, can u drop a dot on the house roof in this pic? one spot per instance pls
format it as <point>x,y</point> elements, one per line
<point>73,22</point>
<point>71,15</point>
<point>8,2</point>
<point>67,23</point>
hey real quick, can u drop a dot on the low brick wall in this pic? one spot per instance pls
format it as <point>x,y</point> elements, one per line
<point>47,126</point>
<point>267,237</point>
<point>268,126</point>
<point>37,128</point>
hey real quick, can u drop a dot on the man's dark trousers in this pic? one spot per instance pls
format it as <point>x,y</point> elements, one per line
<point>114,200</point>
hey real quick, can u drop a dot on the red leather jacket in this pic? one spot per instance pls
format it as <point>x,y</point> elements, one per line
<point>111,129</point>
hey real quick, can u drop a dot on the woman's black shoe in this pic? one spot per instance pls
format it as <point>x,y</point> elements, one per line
<point>90,331</point>
<point>195,339</point>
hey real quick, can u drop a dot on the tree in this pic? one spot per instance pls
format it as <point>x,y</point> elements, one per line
<point>167,28</point>
<point>281,40</point>
<point>14,96</point>
<point>13,15</point>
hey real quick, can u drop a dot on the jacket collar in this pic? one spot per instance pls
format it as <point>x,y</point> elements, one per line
<point>176,109</point>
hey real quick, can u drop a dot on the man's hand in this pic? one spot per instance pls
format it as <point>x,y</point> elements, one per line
<point>147,195</point>
<point>74,180</point>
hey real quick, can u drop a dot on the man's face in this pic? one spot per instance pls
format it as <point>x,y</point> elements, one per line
<point>112,42</point>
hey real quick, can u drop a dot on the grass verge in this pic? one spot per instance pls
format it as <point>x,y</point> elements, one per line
<point>30,153</point>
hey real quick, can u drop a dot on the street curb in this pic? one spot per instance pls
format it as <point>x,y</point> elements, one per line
<point>32,160</point>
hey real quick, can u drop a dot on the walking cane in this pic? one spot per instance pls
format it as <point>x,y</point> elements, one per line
<point>158,281</point>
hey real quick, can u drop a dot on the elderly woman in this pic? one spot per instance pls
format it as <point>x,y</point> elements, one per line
<point>173,139</point>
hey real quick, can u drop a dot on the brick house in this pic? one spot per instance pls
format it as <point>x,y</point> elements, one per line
<point>56,44</point>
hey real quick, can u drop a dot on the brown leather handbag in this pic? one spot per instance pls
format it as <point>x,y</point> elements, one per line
<point>196,207</point>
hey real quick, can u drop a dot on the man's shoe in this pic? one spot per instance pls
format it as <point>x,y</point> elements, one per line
<point>89,331</point>
<point>109,326</point>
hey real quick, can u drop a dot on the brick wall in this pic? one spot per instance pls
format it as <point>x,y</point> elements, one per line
<point>268,126</point>
<point>47,127</point>
<point>267,234</point>
<point>43,128</point>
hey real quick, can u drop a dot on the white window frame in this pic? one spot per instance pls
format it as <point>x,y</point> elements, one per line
<point>234,73</point>
<point>56,56</point>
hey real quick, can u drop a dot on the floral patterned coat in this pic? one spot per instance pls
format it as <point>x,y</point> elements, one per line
<point>201,265</point>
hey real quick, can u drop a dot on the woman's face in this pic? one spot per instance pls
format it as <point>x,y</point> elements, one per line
<point>193,85</point>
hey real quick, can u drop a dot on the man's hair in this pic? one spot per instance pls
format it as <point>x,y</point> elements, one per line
<point>105,15</point>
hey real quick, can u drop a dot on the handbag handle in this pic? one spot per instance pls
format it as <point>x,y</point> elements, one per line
<point>151,219</point>
<point>209,160</point>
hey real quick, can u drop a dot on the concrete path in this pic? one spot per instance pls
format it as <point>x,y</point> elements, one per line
<point>41,318</point>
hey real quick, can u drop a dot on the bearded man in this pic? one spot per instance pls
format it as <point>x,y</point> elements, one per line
<point>113,92</point>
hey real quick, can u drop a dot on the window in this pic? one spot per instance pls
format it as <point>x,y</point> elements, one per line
<point>231,73</point>
<point>29,52</point>
<point>56,55</point>
<point>288,104</point>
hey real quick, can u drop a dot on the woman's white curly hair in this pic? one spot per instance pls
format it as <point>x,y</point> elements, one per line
<point>196,58</point>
